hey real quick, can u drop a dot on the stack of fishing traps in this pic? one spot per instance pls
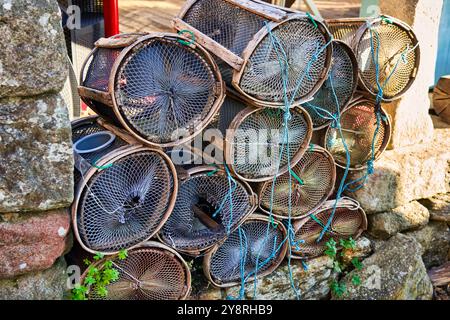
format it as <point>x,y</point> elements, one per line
<point>203,144</point>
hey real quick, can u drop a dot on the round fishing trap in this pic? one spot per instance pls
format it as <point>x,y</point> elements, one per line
<point>258,246</point>
<point>124,197</point>
<point>259,42</point>
<point>160,87</point>
<point>316,174</point>
<point>349,220</point>
<point>344,29</point>
<point>256,147</point>
<point>151,271</point>
<point>338,89</point>
<point>210,205</point>
<point>358,125</point>
<point>395,51</point>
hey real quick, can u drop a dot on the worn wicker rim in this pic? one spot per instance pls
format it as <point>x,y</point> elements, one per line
<point>108,97</point>
<point>386,138</point>
<point>262,187</point>
<point>163,247</point>
<point>344,202</point>
<point>402,25</point>
<point>239,118</point>
<point>187,174</point>
<point>209,254</point>
<point>109,159</point>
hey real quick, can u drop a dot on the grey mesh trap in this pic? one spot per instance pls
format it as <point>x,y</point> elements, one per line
<point>358,125</point>
<point>204,212</point>
<point>242,33</point>
<point>298,198</point>
<point>160,87</point>
<point>151,271</point>
<point>124,192</point>
<point>258,244</point>
<point>339,87</point>
<point>349,221</point>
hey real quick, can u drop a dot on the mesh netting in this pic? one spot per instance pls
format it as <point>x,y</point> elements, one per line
<point>204,212</point>
<point>317,173</point>
<point>257,140</point>
<point>395,58</point>
<point>301,40</point>
<point>99,70</point>
<point>345,30</point>
<point>147,274</point>
<point>358,125</point>
<point>234,28</point>
<point>164,89</point>
<point>345,223</point>
<point>262,243</point>
<point>126,203</point>
<point>342,78</point>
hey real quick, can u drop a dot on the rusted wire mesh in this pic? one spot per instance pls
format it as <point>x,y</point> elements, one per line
<point>150,272</point>
<point>207,209</point>
<point>258,243</point>
<point>358,124</point>
<point>349,221</point>
<point>317,173</point>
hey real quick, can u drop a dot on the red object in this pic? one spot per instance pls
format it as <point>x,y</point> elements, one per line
<point>111,17</point>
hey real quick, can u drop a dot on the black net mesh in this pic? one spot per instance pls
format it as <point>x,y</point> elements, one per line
<point>125,204</point>
<point>342,78</point>
<point>259,139</point>
<point>345,223</point>
<point>396,58</point>
<point>146,274</point>
<point>358,125</point>
<point>257,243</point>
<point>317,174</point>
<point>164,89</point>
<point>204,213</point>
<point>99,70</point>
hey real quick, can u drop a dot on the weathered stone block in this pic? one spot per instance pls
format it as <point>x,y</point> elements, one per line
<point>33,56</point>
<point>394,272</point>
<point>439,207</point>
<point>31,242</point>
<point>406,174</point>
<point>412,215</point>
<point>43,285</point>
<point>435,241</point>
<point>36,169</point>
<point>411,123</point>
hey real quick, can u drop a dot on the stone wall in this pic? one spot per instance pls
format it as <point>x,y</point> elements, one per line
<point>36,175</point>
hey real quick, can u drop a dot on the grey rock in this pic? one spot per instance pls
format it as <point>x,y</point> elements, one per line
<point>44,285</point>
<point>435,241</point>
<point>439,207</point>
<point>394,272</point>
<point>36,171</point>
<point>33,56</point>
<point>409,216</point>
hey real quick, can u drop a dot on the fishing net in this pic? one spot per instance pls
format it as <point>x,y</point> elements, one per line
<point>258,243</point>
<point>349,220</point>
<point>238,33</point>
<point>150,272</point>
<point>358,125</point>
<point>163,89</point>
<point>391,47</point>
<point>317,174</point>
<point>345,29</point>
<point>255,146</point>
<point>208,207</point>
<point>339,87</point>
